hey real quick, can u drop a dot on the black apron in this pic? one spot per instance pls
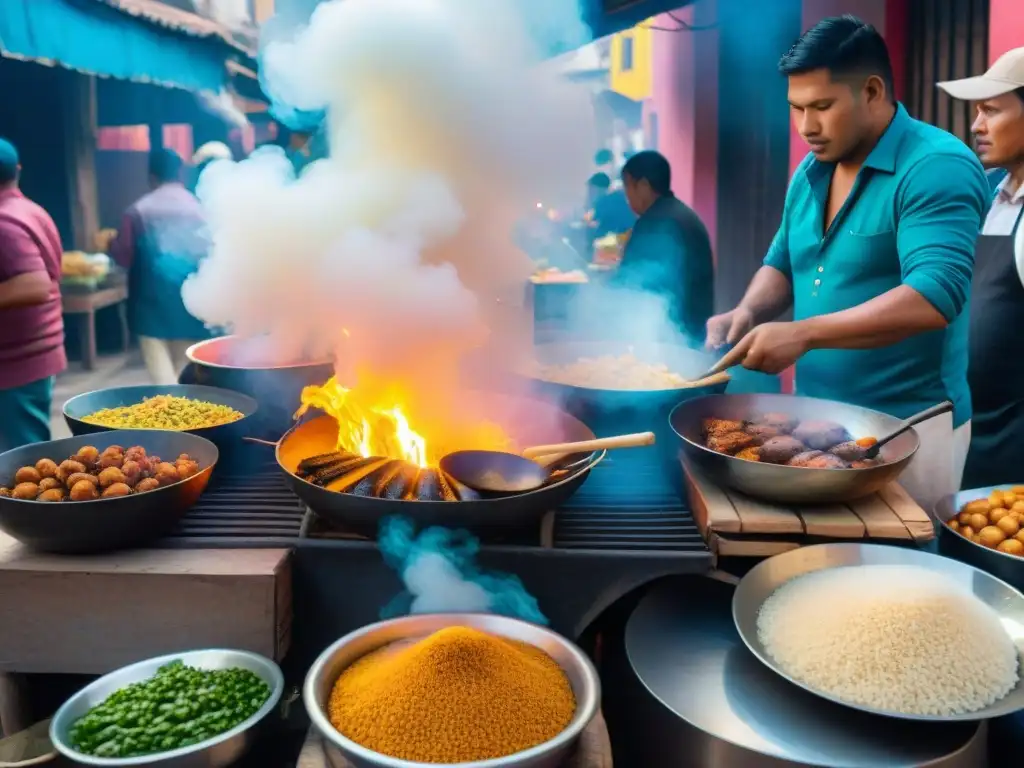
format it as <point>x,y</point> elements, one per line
<point>996,349</point>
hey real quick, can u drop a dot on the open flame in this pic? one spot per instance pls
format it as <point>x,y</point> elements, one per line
<point>373,424</point>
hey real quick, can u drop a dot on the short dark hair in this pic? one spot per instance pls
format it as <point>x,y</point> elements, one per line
<point>165,165</point>
<point>652,167</point>
<point>9,162</point>
<point>846,46</point>
<point>599,181</point>
<point>1020,93</point>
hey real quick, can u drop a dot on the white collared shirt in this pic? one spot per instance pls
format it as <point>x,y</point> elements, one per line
<point>1002,217</point>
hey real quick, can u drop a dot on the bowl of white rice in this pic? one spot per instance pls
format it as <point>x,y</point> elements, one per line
<point>891,631</point>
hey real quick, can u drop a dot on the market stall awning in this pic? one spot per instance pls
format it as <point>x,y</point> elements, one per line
<point>124,39</point>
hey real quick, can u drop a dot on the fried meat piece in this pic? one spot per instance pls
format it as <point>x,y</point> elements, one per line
<point>820,435</point>
<point>780,421</point>
<point>764,431</point>
<point>864,463</point>
<point>750,454</point>
<point>721,426</point>
<point>848,451</point>
<point>817,460</point>
<point>731,442</point>
<point>779,450</point>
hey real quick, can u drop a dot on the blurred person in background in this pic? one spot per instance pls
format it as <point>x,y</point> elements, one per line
<point>997,291</point>
<point>162,239</point>
<point>206,154</point>
<point>669,251</point>
<point>874,254</point>
<point>31,326</point>
<point>610,211</point>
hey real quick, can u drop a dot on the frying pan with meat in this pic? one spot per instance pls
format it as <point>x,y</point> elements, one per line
<point>817,480</point>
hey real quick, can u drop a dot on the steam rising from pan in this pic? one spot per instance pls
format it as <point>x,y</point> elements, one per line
<point>394,251</point>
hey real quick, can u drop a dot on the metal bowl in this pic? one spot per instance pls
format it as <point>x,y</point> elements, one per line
<point>596,403</point>
<point>1009,568</point>
<point>219,751</point>
<point>224,436</point>
<point>551,754</point>
<point>235,363</point>
<point>75,527</point>
<point>767,576</point>
<point>781,483</point>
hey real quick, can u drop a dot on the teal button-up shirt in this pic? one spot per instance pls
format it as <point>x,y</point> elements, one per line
<point>912,219</point>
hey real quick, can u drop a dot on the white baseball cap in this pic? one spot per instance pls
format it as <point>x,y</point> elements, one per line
<point>1004,76</point>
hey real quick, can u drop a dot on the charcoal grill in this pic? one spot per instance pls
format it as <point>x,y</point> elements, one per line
<point>627,526</point>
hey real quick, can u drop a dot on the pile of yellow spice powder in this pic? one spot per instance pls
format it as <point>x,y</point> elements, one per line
<point>165,412</point>
<point>456,696</point>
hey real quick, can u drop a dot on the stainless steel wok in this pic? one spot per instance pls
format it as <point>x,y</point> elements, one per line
<point>588,402</point>
<point>781,483</point>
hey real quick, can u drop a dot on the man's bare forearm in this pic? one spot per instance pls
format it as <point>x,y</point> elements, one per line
<point>25,290</point>
<point>769,295</point>
<point>887,319</point>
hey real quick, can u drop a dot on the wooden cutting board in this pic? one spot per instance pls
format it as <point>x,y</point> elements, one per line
<point>594,750</point>
<point>736,525</point>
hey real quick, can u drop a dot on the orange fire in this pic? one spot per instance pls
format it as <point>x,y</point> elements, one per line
<point>371,423</point>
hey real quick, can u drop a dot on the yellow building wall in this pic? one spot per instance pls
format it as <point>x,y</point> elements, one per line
<point>632,62</point>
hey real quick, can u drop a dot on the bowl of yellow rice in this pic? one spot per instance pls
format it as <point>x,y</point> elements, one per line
<point>219,415</point>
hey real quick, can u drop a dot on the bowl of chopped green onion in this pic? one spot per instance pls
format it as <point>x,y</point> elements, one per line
<point>197,709</point>
<point>219,415</point>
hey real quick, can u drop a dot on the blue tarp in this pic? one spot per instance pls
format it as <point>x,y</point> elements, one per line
<point>95,38</point>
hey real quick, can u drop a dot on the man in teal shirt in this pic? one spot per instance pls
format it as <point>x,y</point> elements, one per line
<point>874,254</point>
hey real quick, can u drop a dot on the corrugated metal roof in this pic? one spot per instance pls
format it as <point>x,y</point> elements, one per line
<point>168,16</point>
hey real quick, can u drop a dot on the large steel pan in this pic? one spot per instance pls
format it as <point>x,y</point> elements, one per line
<point>527,421</point>
<point>795,485</point>
<point>593,402</point>
<point>1009,568</point>
<point>229,362</point>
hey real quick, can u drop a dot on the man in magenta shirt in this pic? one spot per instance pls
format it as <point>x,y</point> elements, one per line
<point>31,326</point>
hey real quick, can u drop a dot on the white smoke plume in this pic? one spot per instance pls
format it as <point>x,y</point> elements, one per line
<point>395,251</point>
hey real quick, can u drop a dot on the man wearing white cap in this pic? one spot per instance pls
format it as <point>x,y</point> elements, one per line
<point>997,290</point>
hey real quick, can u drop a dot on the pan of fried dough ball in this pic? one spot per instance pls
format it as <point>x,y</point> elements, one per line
<point>102,492</point>
<point>984,527</point>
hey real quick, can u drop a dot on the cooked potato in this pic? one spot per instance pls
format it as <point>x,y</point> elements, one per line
<point>5,492</point>
<point>49,483</point>
<point>132,471</point>
<point>135,453</point>
<point>108,460</point>
<point>990,536</point>
<point>47,467</point>
<point>967,531</point>
<point>147,484</point>
<point>111,475</point>
<point>116,489</point>
<point>1012,547</point>
<point>69,468</point>
<point>1008,525</point>
<point>54,494</point>
<point>83,490</point>
<point>978,505</point>
<point>80,477</point>
<point>25,491</point>
<point>166,474</point>
<point>87,455</point>
<point>27,475</point>
<point>187,469</point>
<point>979,521</point>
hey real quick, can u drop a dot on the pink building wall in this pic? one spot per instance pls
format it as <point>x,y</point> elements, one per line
<point>1006,27</point>
<point>685,100</point>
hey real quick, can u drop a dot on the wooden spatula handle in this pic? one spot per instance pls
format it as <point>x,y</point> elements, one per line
<point>602,443</point>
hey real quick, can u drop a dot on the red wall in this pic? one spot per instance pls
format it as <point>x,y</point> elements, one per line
<point>1005,27</point>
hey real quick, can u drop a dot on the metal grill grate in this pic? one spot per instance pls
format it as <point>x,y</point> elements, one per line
<point>630,502</point>
<point>241,510</point>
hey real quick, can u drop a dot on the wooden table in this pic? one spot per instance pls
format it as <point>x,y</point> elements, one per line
<point>737,525</point>
<point>86,304</point>
<point>93,614</point>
